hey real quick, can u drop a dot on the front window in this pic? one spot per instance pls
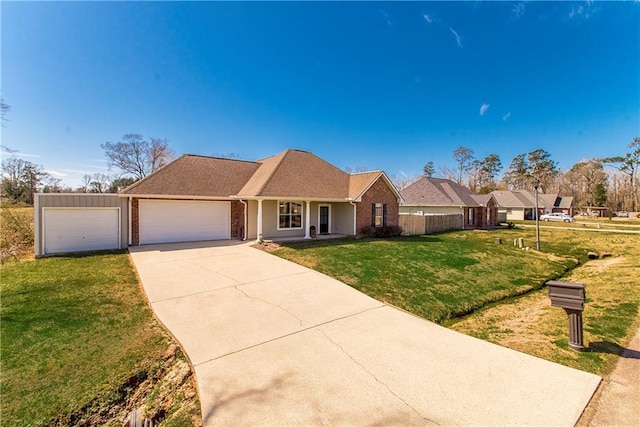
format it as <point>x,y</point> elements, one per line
<point>289,215</point>
<point>471,212</point>
<point>379,215</point>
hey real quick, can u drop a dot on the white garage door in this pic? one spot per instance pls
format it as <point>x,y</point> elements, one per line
<point>80,229</point>
<point>165,221</point>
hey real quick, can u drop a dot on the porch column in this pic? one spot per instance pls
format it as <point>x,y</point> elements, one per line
<point>307,221</point>
<point>259,221</point>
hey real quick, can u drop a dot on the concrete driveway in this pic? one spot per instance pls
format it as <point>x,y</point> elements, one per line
<point>274,343</point>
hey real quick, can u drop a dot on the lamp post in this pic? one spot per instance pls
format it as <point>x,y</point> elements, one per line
<point>537,220</point>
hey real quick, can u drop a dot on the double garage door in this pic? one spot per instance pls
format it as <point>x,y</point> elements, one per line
<point>165,221</point>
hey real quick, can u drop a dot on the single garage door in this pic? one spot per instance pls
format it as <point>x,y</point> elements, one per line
<point>165,221</point>
<point>80,229</point>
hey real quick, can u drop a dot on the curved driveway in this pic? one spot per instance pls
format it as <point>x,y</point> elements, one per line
<point>274,343</point>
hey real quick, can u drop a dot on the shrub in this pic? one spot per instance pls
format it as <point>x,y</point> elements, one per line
<point>16,236</point>
<point>386,231</point>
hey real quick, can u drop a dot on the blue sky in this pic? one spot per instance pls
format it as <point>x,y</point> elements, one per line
<point>384,85</point>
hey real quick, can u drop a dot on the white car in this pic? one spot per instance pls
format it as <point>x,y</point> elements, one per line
<point>557,216</point>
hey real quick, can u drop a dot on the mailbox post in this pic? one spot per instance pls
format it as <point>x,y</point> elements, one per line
<point>570,296</point>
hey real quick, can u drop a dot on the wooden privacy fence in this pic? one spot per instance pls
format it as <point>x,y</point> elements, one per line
<point>415,225</point>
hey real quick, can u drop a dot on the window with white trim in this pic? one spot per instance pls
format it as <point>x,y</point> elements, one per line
<point>289,215</point>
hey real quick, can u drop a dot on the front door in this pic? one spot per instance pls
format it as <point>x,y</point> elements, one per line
<point>324,219</point>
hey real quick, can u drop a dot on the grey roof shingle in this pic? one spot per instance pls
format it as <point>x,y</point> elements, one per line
<point>438,192</point>
<point>526,199</point>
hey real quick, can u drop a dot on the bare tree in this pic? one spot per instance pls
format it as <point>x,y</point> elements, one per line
<point>590,176</point>
<point>464,159</point>
<point>629,164</point>
<point>136,156</point>
<point>100,183</point>
<point>447,173</point>
<point>404,182</point>
<point>21,179</point>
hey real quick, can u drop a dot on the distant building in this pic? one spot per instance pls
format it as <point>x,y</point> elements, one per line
<point>520,204</point>
<point>436,196</point>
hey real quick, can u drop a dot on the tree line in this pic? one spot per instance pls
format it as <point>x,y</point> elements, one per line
<point>606,182</point>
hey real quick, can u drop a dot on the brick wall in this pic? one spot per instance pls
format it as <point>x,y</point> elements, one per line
<point>135,221</point>
<point>237,219</point>
<point>379,192</point>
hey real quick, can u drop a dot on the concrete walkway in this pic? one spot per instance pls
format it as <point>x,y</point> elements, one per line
<point>274,343</point>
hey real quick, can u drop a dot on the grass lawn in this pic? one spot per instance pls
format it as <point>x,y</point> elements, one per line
<point>442,277</point>
<point>529,324</point>
<point>77,340</point>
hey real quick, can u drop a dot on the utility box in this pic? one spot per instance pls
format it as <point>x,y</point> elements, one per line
<point>570,297</point>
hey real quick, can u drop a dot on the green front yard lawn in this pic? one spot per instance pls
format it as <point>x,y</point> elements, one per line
<point>437,277</point>
<point>446,276</point>
<point>78,339</point>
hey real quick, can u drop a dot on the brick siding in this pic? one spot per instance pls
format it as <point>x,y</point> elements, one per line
<point>379,192</point>
<point>237,219</point>
<point>135,221</point>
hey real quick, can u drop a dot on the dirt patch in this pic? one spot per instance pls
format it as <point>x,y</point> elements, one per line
<point>167,392</point>
<point>267,246</point>
<point>600,265</point>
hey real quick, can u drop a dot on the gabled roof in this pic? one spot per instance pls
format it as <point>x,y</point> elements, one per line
<point>566,202</point>
<point>297,174</point>
<point>514,199</point>
<point>438,192</point>
<point>292,174</point>
<point>192,175</point>
<point>483,199</point>
<point>527,199</point>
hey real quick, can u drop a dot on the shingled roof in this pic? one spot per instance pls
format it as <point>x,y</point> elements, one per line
<point>527,199</point>
<point>291,174</point>
<point>438,192</point>
<point>297,174</point>
<point>191,175</point>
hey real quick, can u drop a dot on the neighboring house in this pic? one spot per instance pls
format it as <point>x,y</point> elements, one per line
<point>198,198</point>
<point>435,196</point>
<point>520,204</point>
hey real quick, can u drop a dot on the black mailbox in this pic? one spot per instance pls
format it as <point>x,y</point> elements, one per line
<point>570,296</point>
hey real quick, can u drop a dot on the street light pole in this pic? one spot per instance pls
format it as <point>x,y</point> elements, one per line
<point>537,221</point>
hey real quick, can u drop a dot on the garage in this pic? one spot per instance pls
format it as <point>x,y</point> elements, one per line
<point>80,229</point>
<point>167,221</point>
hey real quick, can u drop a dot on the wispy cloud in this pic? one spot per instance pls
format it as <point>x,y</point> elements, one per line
<point>20,154</point>
<point>518,9</point>
<point>583,11</point>
<point>506,116</point>
<point>458,38</point>
<point>56,173</point>
<point>403,174</point>
<point>484,108</point>
<point>386,17</point>
<point>427,18</point>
